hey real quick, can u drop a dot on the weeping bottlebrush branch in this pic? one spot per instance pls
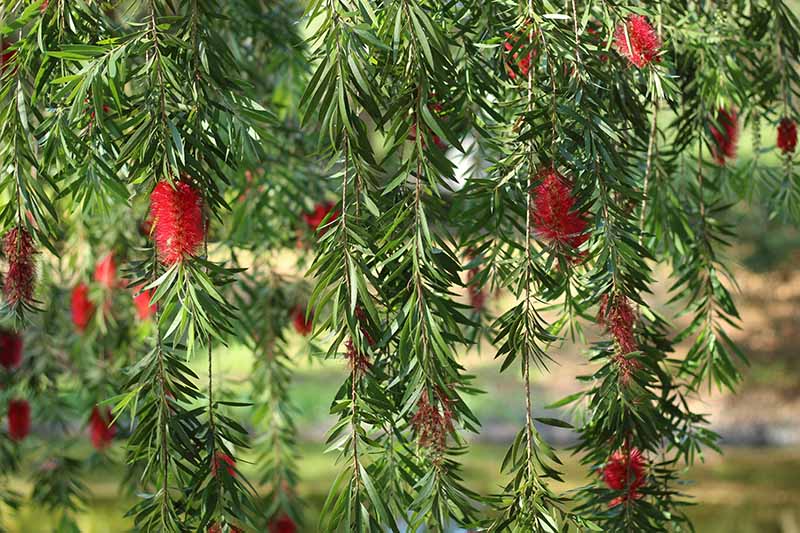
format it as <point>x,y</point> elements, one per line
<point>710,126</point>
<point>172,147</point>
<point>631,414</point>
<point>528,503</point>
<point>786,33</point>
<point>424,265</point>
<point>339,93</point>
<point>27,216</point>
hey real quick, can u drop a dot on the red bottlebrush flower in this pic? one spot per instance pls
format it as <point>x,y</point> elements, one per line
<point>321,210</point>
<point>82,307</point>
<point>105,273</point>
<point>593,30</point>
<point>637,41</point>
<point>144,306</point>
<point>102,430</point>
<point>625,472</point>
<point>302,325</point>
<point>522,65</point>
<point>477,296</point>
<point>18,245</point>
<point>725,141</point>
<point>10,349</point>
<point>361,315</point>
<point>177,215</point>
<point>221,457</point>
<point>436,110</point>
<point>19,419</point>
<point>554,216</point>
<point>787,135</point>
<point>284,524</point>
<point>432,424</point>
<point>359,362</point>
<point>20,281</point>
<point>6,56</point>
<point>619,318</point>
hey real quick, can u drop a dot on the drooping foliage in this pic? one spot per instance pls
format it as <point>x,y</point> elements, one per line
<point>162,159</point>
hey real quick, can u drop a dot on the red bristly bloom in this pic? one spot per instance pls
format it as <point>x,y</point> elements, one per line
<point>321,210</point>
<point>554,216</point>
<point>477,296</point>
<point>10,349</point>
<point>221,457</point>
<point>20,280</point>
<point>102,430</point>
<point>19,419</point>
<point>625,472</point>
<point>144,306</point>
<point>432,424</point>
<point>284,524</point>
<point>637,41</point>
<point>82,307</point>
<point>359,362</point>
<point>787,135</point>
<point>436,110</point>
<point>105,272</point>
<point>177,215</point>
<point>302,325</point>
<point>6,57</point>
<point>522,65</point>
<point>725,141</point>
<point>619,318</point>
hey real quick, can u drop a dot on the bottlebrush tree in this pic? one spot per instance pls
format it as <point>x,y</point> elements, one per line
<point>418,156</point>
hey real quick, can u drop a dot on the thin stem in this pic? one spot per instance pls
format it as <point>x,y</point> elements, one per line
<point>528,230</point>
<point>348,282</point>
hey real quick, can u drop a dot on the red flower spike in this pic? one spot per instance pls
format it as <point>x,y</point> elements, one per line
<point>321,210</point>
<point>10,350</point>
<point>554,217</point>
<point>477,296</point>
<point>284,524</point>
<point>724,146</point>
<point>432,424</point>
<point>143,301</point>
<point>523,66</point>
<point>19,419</point>
<point>20,281</point>
<point>101,428</point>
<point>637,41</point>
<point>105,272</point>
<point>82,307</point>
<point>221,457</point>
<point>6,57</point>
<point>302,325</point>
<point>619,318</point>
<point>359,362</point>
<point>18,245</point>
<point>361,316</point>
<point>787,135</point>
<point>436,110</point>
<point>625,472</point>
<point>177,215</point>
